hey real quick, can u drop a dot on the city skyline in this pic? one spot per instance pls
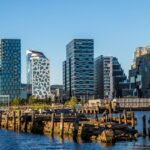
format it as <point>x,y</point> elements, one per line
<point>116,27</point>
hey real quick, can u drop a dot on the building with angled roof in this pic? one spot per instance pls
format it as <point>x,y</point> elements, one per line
<point>109,77</point>
<point>139,74</point>
<point>38,74</point>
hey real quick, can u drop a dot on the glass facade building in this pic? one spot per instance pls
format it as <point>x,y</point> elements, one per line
<point>38,74</point>
<point>109,77</point>
<point>78,69</point>
<point>139,74</point>
<point>10,67</point>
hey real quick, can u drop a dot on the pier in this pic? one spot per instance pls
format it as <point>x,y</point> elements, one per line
<point>106,128</point>
<point>138,104</point>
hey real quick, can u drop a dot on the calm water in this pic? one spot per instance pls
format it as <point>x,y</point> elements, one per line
<point>10,140</point>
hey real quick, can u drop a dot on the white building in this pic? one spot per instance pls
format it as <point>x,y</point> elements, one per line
<point>38,74</point>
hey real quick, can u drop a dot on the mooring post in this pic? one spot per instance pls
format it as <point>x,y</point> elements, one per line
<point>61,124</point>
<point>0,119</point>
<point>7,120</point>
<point>125,117</point>
<point>32,121</point>
<point>149,132</point>
<point>110,111</point>
<point>14,120</point>
<point>96,116</point>
<point>52,125</point>
<point>25,127</point>
<point>106,118</point>
<point>144,124</point>
<point>119,118</point>
<point>132,120</point>
<point>76,126</point>
<point>149,127</point>
<point>19,121</point>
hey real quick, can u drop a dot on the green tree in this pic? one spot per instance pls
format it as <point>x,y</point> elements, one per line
<point>32,100</point>
<point>18,101</point>
<point>72,102</point>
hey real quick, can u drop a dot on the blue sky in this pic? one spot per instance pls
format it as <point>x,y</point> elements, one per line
<point>117,26</point>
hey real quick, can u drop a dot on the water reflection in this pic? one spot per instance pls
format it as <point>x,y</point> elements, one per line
<point>20,141</point>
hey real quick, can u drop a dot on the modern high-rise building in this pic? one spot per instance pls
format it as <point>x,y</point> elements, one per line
<point>38,74</point>
<point>139,74</point>
<point>109,77</point>
<point>10,67</point>
<point>78,69</point>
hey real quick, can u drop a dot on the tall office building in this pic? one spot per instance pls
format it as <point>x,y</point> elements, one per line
<point>78,69</point>
<point>98,77</point>
<point>139,74</point>
<point>38,74</point>
<point>10,67</point>
<point>109,77</point>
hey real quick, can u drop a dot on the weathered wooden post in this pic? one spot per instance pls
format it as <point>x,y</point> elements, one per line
<point>52,124</point>
<point>26,123</point>
<point>125,117</point>
<point>32,121</point>
<point>14,120</point>
<point>96,116</point>
<point>119,118</point>
<point>76,126</point>
<point>149,132</point>
<point>106,117</point>
<point>7,120</point>
<point>149,127</point>
<point>132,120</point>
<point>19,121</point>
<point>61,124</point>
<point>144,124</point>
<point>0,119</point>
<point>110,111</point>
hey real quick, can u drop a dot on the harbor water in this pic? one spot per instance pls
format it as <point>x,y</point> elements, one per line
<point>10,140</point>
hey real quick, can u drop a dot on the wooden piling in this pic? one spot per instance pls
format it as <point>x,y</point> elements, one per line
<point>76,127</point>
<point>61,124</point>
<point>110,112</point>
<point>149,132</point>
<point>7,120</point>
<point>26,123</point>
<point>149,127</point>
<point>144,124</point>
<point>19,121</point>
<point>0,119</point>
<point>125,117</point>
<point>132,120</point>
<point>14,120</point>
<point>119,118</point>
<point>52,124</point>
<point>96,117</point>
<point>32,121</point>
<point>106,118</point>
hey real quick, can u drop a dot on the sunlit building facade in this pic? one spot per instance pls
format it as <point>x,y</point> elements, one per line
<point>38,74</point>
<point>109,77</point>
<point>139,74</point>
<point>78,69</point>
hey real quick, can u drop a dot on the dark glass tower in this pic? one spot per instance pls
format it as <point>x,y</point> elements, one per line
<point>139,74</point>
<point>10,67</point>
<point>109,77</point>
<point>78,69</point>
